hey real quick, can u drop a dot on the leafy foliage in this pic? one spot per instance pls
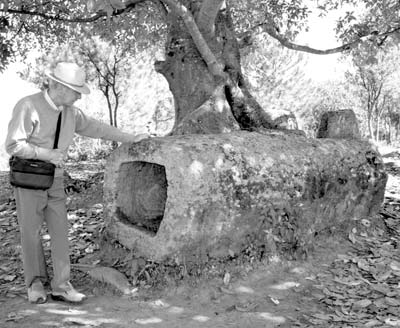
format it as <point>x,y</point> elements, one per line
<point>289,17</point>
<point>30,24</point>
<point>375,16</point>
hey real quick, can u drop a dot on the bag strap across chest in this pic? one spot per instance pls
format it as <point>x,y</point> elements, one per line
<point>55,146</point>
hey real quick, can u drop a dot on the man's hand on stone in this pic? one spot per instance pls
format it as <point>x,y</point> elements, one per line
<point>139,137</point>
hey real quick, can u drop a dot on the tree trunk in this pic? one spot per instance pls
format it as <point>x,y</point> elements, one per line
<point>370,127</point>
<point>205,103</point>
<point>115,115</point>
<point>397,130</point>
<point>378,123</point>
<point>388,131</point>
<point>110,113</point>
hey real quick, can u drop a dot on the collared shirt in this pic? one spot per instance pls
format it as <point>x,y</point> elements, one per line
<point>50,101</point>
<point>33,127</point>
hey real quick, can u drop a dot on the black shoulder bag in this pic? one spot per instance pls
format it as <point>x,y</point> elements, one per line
<point>33,173</point>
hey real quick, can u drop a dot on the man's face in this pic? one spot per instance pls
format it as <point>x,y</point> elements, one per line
<point>67,95</point>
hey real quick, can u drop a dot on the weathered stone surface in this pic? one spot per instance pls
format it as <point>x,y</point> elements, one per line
<point>213,191</point>
<point>341,124</point>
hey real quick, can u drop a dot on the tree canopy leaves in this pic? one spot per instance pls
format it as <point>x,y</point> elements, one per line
<point>28,24</point>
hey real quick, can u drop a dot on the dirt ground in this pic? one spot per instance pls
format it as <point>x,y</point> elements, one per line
<point>339,285</point>
<point>271,296</point>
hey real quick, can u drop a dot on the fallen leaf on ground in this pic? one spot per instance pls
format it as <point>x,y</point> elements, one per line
<point>13,316</point>
<point>8,277</point>
<point>246,307</point>
<point>362,303</point>
<point>274,300</point>
<point>227,291</point>
<point>113,277</point>
<point>227,278</point>
<point>322,316</point>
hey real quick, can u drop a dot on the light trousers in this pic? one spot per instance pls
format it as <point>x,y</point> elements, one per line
<point>33,208</point>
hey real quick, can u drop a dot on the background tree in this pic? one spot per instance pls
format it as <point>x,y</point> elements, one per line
<point>377,79</point>
<point>109,65</point>
<point>394,123</point>
<point>391,119</point>
<point>277,78</point>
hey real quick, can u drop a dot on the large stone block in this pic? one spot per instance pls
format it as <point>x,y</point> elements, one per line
<point>180,195</point>
<point>339,124</point>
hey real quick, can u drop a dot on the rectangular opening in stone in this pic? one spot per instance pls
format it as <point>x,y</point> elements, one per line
<point>141,195</point>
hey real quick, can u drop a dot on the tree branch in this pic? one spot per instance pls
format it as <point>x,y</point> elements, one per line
<point>271,30</point>
<point>129,5</point>
<point>97,67</point>
<point>207,14</point>
<point>213,65</point>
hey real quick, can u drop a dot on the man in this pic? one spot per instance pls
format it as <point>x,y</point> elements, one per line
<point>31,134</point>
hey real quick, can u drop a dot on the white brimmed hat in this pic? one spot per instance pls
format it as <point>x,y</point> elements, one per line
<point>71,75</point>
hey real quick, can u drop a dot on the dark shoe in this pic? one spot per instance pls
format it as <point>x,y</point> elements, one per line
<point>67,293</point>
<point>36,292</point>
